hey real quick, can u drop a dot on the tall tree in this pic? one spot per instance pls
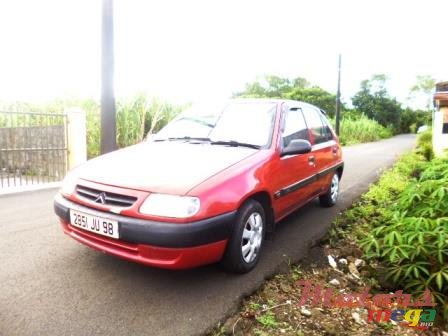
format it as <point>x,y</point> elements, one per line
<point>424,87</point>
<point>374,101</point>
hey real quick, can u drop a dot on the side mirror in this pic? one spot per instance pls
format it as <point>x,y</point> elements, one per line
<point>297,146</point>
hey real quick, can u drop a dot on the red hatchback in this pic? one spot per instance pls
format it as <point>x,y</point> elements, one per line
<point>207,187</point>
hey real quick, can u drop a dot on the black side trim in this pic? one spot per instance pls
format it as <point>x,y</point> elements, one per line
<point>164,234</point>
<point>295,186</point>
<point>302,183</point>
<point>329,170</point>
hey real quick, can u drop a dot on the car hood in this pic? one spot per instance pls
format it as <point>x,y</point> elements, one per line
<point>162,167</point>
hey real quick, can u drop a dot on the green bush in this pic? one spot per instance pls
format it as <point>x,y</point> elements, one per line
<point>407,230</point>
<point>424,144</point>
<point>424,138</point>
<point>411,120</point>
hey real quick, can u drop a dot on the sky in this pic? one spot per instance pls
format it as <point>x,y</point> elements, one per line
<point>185,51</point>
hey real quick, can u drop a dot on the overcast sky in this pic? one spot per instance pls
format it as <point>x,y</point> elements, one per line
<point>188,50</point>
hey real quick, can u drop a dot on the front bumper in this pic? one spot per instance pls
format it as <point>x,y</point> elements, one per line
<point>161,244</point>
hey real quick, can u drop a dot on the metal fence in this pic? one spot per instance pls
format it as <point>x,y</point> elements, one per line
<point>33,148</point>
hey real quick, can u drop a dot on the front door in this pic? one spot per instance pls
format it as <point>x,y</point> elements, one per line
<point>294,175</point>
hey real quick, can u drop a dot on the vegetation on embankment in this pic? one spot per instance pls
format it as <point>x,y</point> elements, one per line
<point>394,238</point>
<point>402,222</point>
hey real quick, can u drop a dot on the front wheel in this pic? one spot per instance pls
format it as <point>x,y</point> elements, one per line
<point>246,243</point>
<point>331,196</point>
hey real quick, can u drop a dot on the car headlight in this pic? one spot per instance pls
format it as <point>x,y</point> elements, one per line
<point>170,206</point>
<point>69,184</point>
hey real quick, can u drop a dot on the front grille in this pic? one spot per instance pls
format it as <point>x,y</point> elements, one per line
<point>105,197</point>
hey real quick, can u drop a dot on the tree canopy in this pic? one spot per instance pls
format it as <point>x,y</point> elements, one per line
<point>297,89</point>
<point>424,86</point>
<point>374,101</point>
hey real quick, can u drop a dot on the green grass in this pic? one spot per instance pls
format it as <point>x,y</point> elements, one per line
<point>268,320</point>
<point>361,129</point>
<point>136,118</point>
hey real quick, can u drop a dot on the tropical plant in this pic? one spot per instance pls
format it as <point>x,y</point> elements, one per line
<point>411,235</point>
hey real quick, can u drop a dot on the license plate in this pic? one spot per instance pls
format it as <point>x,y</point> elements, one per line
<point>99,225</point>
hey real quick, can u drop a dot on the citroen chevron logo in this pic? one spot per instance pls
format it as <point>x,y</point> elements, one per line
<point>101,198</point>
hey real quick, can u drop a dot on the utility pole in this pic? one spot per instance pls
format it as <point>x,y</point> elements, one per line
<point>108,113</point>
<point>338,98</point>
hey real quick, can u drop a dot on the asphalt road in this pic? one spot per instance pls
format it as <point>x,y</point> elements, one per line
<point>52,285</point>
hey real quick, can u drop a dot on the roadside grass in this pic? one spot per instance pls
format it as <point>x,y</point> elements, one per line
<point>361,129</point>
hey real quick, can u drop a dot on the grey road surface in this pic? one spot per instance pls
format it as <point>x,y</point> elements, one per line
<point>52,285</point>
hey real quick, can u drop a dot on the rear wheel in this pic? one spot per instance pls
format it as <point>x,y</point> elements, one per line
<point>246,243</point>
<point>331,196</point>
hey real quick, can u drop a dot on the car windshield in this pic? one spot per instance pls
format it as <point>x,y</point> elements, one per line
<point>249,123</point>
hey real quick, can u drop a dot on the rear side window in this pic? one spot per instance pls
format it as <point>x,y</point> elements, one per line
<point>294,127</point>
<point>327,128</point>
<point>320,131</point>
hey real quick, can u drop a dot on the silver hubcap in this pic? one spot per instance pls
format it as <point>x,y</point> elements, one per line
<point>252,237</point>
<point>334,189</point>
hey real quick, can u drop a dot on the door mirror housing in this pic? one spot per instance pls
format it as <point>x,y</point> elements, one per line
<point>297,146</point>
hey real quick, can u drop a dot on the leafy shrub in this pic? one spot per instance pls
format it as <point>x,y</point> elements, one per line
<point>410,232</point>
<point>424,145</point>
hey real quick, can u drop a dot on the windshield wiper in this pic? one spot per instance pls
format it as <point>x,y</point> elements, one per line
<point>186,138</point>
<point>231,143</point>
<point>234,143</point>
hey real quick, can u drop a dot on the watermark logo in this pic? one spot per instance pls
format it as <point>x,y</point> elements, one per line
<point>417,318</point>
<point>398,307</point>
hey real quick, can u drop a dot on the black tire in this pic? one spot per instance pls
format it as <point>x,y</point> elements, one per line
<point>329,199</point>
<point>234,260</point>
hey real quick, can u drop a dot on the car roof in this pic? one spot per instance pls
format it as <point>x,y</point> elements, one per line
<point>292,104</point>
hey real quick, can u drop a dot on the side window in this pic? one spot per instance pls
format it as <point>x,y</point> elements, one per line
<point>327,128</point>
<point>314,122</point>
<point>294,127</point>
<point>444,111</point>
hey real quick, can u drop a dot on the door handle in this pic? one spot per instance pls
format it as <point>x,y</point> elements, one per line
<point>311,160</point>
<point>334,150</point>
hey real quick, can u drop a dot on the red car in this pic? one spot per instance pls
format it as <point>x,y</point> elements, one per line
<point>207,187</point>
